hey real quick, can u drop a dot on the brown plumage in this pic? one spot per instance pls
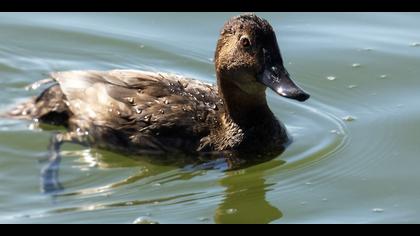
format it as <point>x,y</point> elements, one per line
<point>144,112</point>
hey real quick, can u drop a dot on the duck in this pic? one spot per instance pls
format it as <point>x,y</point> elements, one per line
<point>142,112</point>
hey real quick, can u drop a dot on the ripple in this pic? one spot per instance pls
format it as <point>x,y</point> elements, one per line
<point>313,140</point>
<point>127,203</point>
<point>8,68</point>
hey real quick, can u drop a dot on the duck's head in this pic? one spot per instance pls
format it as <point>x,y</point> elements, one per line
<point>248,57</point>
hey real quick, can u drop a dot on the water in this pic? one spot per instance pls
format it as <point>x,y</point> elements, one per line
<point>355,154</point>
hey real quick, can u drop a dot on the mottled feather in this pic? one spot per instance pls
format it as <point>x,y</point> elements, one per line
<point>134,109</point>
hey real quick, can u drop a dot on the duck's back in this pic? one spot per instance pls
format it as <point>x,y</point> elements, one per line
<point>136,111</point>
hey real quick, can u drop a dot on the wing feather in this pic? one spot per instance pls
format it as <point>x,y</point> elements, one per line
<point>153,110</point>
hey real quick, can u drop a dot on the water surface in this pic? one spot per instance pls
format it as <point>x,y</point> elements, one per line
<point>355,155</point>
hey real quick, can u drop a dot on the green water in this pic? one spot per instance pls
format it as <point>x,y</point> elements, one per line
<point>336,170</point>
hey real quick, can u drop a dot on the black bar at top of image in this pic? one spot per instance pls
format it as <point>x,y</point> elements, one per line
<point>209,5</point>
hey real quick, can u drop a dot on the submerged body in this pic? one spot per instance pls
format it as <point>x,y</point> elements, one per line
<point>155,113</point>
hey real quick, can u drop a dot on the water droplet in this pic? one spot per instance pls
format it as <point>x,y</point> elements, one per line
<point>334,131</point>
<point>138,110</point>
<point>415,44</point>
<point>145,221</point>
<point>383,76</point>
<point>162,111</point>
<point>378,210</point>
<point>352,86</point>
<point>203,219</point>
<point>349,118</point>
<point>130,100</point>
<point>79,132</point>
<point>32,126</point>
<point>166,102</point>
<point>147,118</point>
<point>356,65</point>
<point>118,113</point>
<point>38,84</point>
<point>331,78</point>
<point>110,110</point>
<point>231,211</point>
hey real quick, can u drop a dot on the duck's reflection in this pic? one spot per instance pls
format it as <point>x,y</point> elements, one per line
<point>50,183</point>
<point>244,197</point>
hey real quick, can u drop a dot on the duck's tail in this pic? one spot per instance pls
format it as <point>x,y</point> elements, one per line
<point>49,107</point>
<point>23,111</point>
<point>26,110</point>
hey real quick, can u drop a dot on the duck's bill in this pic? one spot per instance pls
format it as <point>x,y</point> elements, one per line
<point>278,79</point>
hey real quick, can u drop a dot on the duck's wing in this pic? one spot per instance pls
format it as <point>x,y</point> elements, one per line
<point>141,109</point>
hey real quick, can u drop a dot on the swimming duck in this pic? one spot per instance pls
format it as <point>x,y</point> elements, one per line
<point>143,112</point>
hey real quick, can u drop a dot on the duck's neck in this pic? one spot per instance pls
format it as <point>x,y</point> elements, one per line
<point>245,109</point>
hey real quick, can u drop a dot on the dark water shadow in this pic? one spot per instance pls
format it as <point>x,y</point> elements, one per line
<point>243,202</point>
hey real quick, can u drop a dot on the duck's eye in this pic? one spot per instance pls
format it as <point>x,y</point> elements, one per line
<point>245,41</point>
